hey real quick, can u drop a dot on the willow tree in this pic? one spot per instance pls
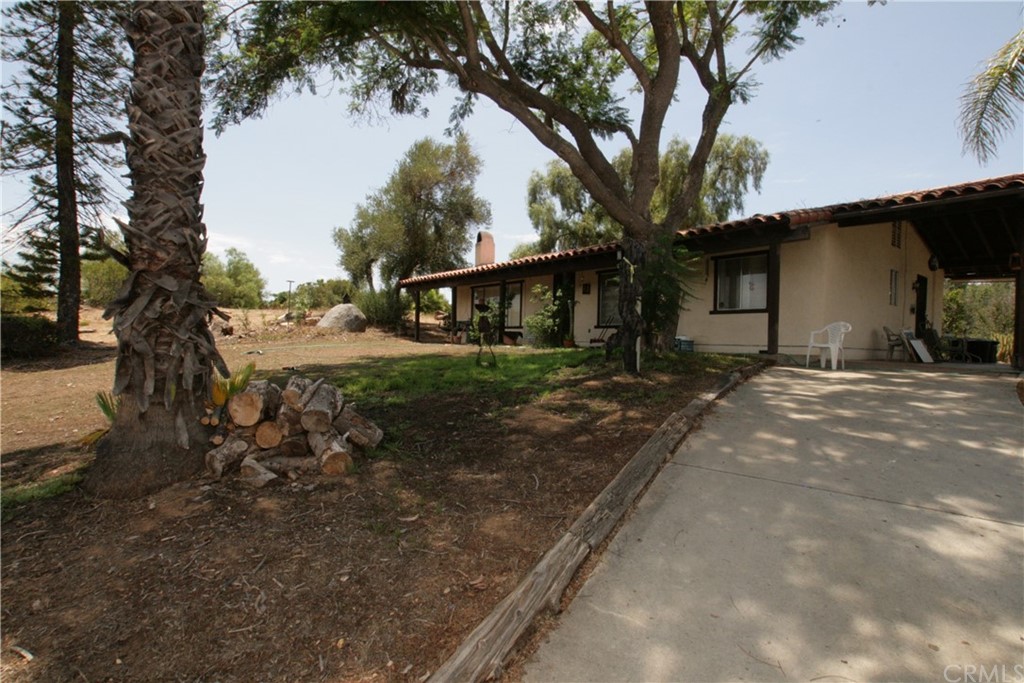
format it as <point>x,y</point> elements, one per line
<point>165,351</point>
<point>556,67</point>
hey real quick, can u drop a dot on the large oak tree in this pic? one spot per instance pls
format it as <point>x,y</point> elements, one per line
<point>554,66</point>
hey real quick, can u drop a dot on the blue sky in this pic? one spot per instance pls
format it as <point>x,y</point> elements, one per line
<point>866,106</point>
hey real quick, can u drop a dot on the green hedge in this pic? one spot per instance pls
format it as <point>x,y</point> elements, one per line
<point>27,336</point>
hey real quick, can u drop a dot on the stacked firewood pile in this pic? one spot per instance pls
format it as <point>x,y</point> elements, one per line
<point>269,432</point>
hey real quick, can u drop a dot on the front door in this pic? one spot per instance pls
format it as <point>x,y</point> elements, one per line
<point>921,306</point>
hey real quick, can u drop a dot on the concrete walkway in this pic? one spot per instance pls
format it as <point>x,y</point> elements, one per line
<point>821,526</point>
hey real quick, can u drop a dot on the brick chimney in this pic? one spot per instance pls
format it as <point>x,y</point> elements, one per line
<point>484,248</point>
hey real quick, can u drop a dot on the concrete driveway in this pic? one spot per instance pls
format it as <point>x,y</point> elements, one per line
<point>821,526</point>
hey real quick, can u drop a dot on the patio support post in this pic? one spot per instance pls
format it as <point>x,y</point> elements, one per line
<point>503,305</point>
<point>1018,320</point>
<point>774,289</point>
<point>455,311</point>
<point>416,328</point>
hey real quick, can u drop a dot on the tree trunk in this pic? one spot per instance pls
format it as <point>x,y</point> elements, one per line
<point>333,451</point>
<point>296,446</point>
<point>322,408</point>
<point>362,432</point>
<point>225,455</point>
<point>142,453</point>
<point>292,393</point>
<point>69,286</point>
<point>632,262</point>
<point>289,421</point>
<point>268,435</point>
<point>161,316</point>
<point>258,401</point>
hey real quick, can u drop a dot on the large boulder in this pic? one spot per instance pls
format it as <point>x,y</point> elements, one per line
<point>344,317</point>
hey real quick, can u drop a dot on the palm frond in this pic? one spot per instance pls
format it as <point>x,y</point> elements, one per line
<point>990,106</point>
<point>108,404</point>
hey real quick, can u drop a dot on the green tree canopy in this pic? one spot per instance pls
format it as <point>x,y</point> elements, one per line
<point>422,220</point>
<point>554,66</point>
<point>234,282</point>
<point>566,217</point>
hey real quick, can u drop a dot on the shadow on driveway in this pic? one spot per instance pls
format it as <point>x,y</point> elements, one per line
<point>825,526</point>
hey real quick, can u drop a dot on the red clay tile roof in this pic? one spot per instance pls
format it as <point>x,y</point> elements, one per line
<point>525,261</point>
<point>792,217</point>
<point>827,213</point>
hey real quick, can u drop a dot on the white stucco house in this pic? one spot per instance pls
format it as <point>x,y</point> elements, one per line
<point>764,282</point>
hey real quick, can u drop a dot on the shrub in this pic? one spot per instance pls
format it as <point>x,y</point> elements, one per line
<point>432,301</point>
<point>13,300</point>
<point>385,308</point>
<point>27,336</point>
<point>543,328</point>
<point>102,281</point>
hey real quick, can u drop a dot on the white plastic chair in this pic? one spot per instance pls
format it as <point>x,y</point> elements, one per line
<point>829,337</point>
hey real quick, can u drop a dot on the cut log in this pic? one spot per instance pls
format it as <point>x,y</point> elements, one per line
<point>289,420</point>
<point>333,452</point>
<point>308,393</point>
<point>259,455</point>
<point>259,400</point>
<point>228,453</point>
<point>283,465</point>
<point>255,474</point>
<point>292,393</point>
<point>361,432</point>
<point>268,434</point>
<point>220,435</point>
<point>322,408</point>
<point>296,446</point>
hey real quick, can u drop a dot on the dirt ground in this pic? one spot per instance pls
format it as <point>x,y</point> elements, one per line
<point>378,575</point>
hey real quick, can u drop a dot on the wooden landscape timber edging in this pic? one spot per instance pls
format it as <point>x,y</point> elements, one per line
<point>483,653</point>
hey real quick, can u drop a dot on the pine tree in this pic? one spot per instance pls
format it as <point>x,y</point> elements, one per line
<point>66,95</point>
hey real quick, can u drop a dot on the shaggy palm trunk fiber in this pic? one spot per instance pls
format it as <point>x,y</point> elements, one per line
<point>166,352</point>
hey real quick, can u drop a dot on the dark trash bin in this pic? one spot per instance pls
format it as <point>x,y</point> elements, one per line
<point>985,349</point>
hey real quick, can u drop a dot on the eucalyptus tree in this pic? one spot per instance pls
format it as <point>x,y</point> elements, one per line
<point>556,67</point>
<point>66,94</point>
<point>165,351</point>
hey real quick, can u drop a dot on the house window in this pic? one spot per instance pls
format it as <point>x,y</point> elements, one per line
<point>608,299</point>
<point>741,283</point>
<point>513,301</point>
<point>894,288</point>
<point>514,304</point>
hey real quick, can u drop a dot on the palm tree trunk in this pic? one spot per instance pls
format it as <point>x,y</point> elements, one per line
<point>166,353</point>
